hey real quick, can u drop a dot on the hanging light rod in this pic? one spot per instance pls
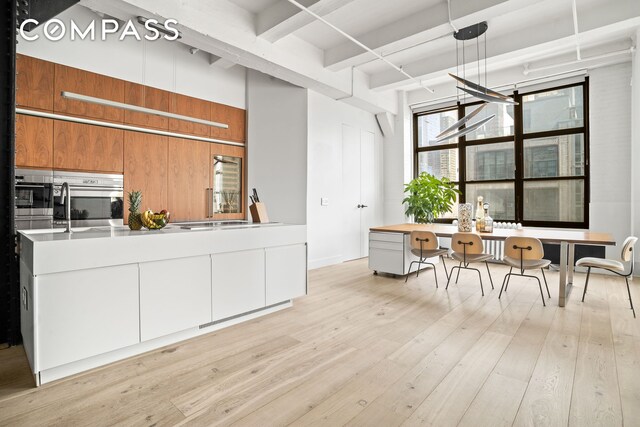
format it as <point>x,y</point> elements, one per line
<point>123,106</point>
<point>481,95</point>
<point>462,121</point>
<point>362,45</point>
<point>468,129</point>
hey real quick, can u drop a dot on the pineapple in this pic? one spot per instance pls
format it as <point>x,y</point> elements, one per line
<point>135,199</point>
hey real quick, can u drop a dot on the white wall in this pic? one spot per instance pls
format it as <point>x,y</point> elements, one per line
<point>610,145</point>
<point>161,64</point>
<point>277,146</point>
<point>325,223</point>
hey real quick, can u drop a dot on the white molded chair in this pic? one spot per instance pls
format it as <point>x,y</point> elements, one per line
<point>424,244</point>
<point>468,248</point>
<point>524,253</point>
<point>613,266</point>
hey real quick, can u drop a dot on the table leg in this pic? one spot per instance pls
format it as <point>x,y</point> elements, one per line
<point>570,264</point>
<point>562,288</point>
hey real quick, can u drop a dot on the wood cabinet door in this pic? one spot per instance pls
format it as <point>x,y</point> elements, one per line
<point>88,148</point>
<point>68,79</point>
<point>34,142</point>
<point>145,169</point>
<point>148,97</point>
<point>190,107</point>
<point>189,175</point>
<point>34,83</point>
<point>234,117</point>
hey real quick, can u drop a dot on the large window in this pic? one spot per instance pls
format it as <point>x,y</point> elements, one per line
<point>530,163</point>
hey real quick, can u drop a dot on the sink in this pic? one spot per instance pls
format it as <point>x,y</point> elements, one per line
<point>206,225</point>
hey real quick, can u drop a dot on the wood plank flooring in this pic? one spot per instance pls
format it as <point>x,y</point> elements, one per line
<point>364,350</point>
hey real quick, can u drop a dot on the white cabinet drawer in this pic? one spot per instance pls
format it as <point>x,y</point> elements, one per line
<point>386,237</point>
<point>238,282</point>
<point>386,261</point>
<point>392,246</point>
<point>86,313</point>
<point>174,295</point>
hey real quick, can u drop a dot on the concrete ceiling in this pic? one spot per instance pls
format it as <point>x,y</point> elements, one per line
<point>275,37</point>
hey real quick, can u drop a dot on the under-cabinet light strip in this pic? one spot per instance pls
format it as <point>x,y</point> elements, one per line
<point>123,106</point>
<point>122,126</point>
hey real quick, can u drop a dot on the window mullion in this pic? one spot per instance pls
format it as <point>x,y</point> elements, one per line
<point>519,157</point>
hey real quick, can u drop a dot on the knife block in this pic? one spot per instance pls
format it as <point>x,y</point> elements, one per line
<point>259,212</point>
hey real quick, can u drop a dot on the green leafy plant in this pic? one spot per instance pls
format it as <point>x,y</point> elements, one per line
<point>429,197</point>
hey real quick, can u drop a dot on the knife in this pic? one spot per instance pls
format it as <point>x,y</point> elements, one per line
<point>255,196</point>
<point>252,200</point>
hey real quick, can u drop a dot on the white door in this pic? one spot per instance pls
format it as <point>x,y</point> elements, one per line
<point>359,190</point>
<point>352,246</point>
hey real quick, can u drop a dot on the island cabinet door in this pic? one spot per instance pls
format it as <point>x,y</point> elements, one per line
<point>85,313</point>
<point>286,273</point>
<point>237,282</point>
<point>175,295</point>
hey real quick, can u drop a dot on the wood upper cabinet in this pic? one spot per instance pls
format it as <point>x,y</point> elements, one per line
<point>189,178</point>
<point>87,148</point>
<point>145,169</point>
<point>34,142</point>
<point>148,97</point>
<point>190,107</point>
<point>34,83</point>
<point>234,117</point>
<point>68,79</point>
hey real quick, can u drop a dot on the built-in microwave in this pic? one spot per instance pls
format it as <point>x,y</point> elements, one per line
<point>96,199</point>
<point>33,199</point>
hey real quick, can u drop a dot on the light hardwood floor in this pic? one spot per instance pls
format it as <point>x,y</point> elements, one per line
<point>372,351</point>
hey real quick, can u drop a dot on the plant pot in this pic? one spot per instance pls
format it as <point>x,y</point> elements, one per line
<point>464,217</point>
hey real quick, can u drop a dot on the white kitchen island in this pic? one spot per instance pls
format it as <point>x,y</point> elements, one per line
<point>99,295</point>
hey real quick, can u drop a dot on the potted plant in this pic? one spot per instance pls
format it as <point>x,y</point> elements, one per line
<point>429,197</point>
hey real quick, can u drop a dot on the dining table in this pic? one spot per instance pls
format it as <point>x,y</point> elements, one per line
<point>567,239</point>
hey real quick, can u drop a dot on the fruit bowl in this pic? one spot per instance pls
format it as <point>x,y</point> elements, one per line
<point>154,220</point>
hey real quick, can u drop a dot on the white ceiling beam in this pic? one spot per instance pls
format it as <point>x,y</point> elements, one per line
<point>228,31</point>
<point>283,18</point>
<point>427,24</point>
<point>219,62</point>
<point>552,36</point>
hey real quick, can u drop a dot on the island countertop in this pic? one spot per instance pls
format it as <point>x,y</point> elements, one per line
<point>49,251</point>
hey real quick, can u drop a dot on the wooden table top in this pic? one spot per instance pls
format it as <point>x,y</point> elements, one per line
<point>544,234</point>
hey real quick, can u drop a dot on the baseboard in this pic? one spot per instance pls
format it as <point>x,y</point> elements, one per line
<point>323,262</point>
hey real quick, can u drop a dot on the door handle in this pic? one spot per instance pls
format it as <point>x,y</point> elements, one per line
<point>362,206</point>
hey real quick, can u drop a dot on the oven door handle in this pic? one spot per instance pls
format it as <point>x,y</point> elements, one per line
<point>30,185</point>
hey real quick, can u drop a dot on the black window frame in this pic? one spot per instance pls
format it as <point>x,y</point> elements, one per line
<point>518,138</point>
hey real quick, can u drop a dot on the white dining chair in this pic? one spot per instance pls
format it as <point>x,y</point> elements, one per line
<point>468,248</point>
<point>424,244</point>
<point>613,266</point>
<point>524,253</point>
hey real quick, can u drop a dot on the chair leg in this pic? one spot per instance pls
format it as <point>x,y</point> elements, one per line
<point>586,283</point>
<point>506,286</point>
<point>541,293</point>
<point>418,271</point>
<point>450,276</point>
<point>409,272</point>
<point>503,282</point>
<point>446,273</point>
<point>630,300</point>
<point>458,275</point>
<point>480,276</point>
<point>435,274</point>
<point>545,282</point>
<point>489,272</point>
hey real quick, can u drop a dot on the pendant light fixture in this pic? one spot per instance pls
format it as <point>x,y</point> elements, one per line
<point>468,87</point>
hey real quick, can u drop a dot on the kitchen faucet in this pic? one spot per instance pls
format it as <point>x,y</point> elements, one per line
<point>65,193</point>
